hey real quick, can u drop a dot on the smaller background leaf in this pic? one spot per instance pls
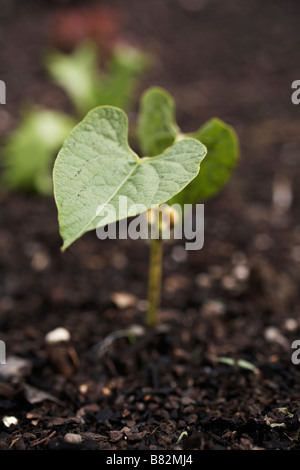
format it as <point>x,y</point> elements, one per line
<point>87,86</point>
<point>76,74</point>
<point>121,78</point>
<point>29,151</point>
<point>157,128</point>
<point>221,159</point>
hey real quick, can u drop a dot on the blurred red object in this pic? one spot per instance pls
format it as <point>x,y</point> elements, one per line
<point>71,26</point>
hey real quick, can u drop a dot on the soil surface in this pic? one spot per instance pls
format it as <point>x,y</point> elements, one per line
<point>217,371</point>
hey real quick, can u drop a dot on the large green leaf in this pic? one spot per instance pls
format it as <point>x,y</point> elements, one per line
<point>29,151</point>
<point>96,166</point>
<point>157,127</point>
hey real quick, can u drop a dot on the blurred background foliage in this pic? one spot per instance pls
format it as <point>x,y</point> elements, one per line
<point>92,70</point>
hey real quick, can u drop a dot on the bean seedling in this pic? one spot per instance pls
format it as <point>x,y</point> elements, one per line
<point>96,167</point>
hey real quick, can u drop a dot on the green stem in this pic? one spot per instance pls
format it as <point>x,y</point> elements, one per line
<point>154,280</point>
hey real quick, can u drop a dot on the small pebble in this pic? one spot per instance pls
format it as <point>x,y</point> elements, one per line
<point>282,193</point>
<point>9,421</point>
<point>241,272</point>
<point>57,335</point>
<point>73,438</point>
<point>40,261</point>
<point>291,324</point>
<point>123,299</point>
<point>274,335</point>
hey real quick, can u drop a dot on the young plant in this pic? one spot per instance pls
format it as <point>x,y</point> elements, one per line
<point>96,167</point>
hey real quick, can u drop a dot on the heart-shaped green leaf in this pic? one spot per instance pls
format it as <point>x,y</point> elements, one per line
<point>96,167</point>
<point>157,129</point>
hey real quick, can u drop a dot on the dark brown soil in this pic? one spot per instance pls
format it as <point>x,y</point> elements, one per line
<point>236,298</point>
